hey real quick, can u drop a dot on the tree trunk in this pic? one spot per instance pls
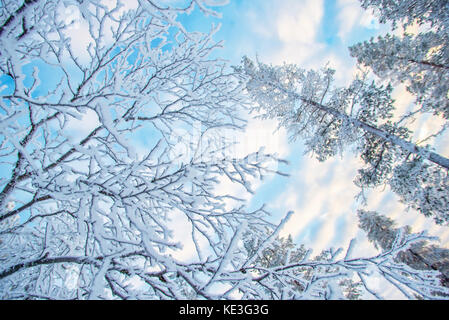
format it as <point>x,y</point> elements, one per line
<point>404,144</point>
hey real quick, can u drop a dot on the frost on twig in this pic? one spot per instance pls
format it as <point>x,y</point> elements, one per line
<point>279,274</point>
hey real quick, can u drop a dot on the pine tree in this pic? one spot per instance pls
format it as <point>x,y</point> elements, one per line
<point>382,233</point>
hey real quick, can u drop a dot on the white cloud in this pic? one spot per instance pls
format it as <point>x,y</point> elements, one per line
<point>297,24</point>
<point>351,15</point>
<point>262,133</point>
<point>253,16</point>
<point>295,27</point>
<point>300,54</point>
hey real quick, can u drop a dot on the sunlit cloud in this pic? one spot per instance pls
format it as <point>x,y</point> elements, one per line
<point>350,16</point>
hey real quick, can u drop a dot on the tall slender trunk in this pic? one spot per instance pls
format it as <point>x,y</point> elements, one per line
<point>423,62</point>
<point>404,144</point>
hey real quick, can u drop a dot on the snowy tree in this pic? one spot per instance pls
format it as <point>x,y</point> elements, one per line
<point>330,119</point>
<point>90,211</point>
<point>408,12</point>
<point>420,61</point>
<point>97,202</point>
<point>276,268</point>
<point>382,232</point>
